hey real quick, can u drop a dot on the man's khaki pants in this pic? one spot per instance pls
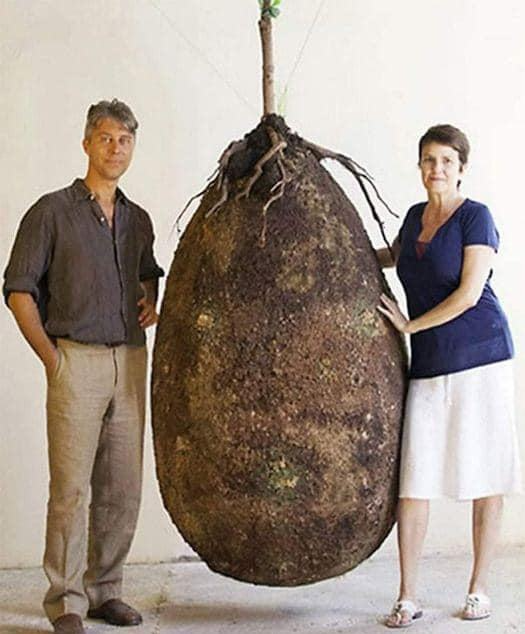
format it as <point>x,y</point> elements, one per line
<point>95,426</point>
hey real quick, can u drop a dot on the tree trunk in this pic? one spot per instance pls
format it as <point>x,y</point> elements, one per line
<point>265,29</point>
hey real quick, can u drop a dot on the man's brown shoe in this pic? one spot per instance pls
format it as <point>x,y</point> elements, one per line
<point>69,624</point>
<point>116,612</point>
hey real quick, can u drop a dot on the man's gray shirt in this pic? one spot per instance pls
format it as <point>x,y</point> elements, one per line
<point>84,277</point>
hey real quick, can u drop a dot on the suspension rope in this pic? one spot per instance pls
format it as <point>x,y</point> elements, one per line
<point>305,42</point>
<point>203,57</point>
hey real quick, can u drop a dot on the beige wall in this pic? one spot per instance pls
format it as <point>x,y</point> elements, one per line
<point>374,75</point>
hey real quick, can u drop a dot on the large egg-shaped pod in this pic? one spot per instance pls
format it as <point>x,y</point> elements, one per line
<point>277,386</point>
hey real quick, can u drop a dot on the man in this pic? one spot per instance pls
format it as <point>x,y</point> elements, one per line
<point>82,284</point>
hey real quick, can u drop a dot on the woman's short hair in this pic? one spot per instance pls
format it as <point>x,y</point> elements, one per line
<point>446,134</point>
<point>113,109</point>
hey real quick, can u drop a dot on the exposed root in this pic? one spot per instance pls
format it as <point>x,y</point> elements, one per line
<point>279,186</point>
<point>349,164</point>
<point>222,181</point>
<point>179,217</point>
<point>224,195</point>
<point>233,148</point>
<point>218,179</point>
<point>361,176</point>
<point>278,144</point>
<point>212,176</point>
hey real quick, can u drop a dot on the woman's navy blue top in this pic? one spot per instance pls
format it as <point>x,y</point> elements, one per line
<point>478,336</point>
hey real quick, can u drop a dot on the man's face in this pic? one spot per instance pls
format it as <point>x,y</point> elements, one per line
<point>110,149</point>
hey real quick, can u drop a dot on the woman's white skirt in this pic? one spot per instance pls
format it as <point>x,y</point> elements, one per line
<point>459,435</point>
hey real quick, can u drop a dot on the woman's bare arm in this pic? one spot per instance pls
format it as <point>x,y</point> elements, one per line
<point>477,262</point>
<point>385,257</point>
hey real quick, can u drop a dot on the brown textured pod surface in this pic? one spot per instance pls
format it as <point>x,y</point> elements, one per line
<point>278,388</point>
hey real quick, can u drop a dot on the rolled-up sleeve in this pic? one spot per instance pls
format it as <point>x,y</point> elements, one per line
<point>479,228</point>
<point>31,253</point>
<point>149,268</point>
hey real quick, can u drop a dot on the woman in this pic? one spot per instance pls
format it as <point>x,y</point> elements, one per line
<point>459,437</point>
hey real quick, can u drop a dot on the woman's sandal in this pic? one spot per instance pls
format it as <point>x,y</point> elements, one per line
<point>477,607</point>
<point>402,610</point>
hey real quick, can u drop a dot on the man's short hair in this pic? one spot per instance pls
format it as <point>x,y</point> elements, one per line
<point>113,109</point>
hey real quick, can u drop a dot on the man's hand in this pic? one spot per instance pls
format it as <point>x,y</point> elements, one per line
<point>148,315</point>
<point>51,360</point>
<point>28,319</point>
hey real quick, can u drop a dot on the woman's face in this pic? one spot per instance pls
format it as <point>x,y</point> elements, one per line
<point>440,168</point>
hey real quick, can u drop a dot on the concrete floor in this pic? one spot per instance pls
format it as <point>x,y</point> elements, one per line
<point>187,598</point>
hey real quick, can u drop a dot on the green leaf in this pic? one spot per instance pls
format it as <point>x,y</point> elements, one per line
<point>271,11</point>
